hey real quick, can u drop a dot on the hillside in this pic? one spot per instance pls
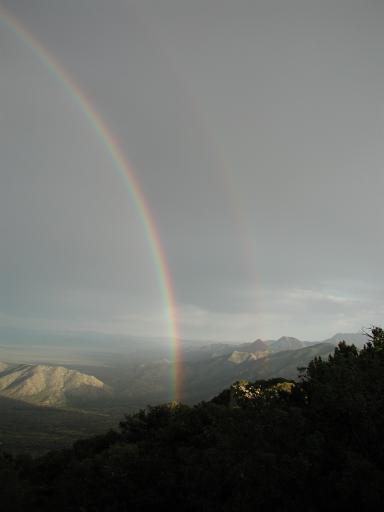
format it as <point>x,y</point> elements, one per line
<point>274,445</point>
<point>32,429</point>
<point>203,379</point>
<point>3,366</point>
<point>49,385</point>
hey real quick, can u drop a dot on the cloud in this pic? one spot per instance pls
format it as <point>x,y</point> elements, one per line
<point>259,155</point>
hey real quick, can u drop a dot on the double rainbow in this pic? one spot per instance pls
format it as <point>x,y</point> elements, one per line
<point>124,169</point>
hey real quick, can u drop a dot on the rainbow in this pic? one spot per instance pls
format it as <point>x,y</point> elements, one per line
<point>124,169</point>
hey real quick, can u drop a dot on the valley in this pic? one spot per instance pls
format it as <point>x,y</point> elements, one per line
<point>46,406</point>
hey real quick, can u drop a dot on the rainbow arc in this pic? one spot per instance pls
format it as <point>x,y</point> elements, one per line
<point>124,169</point>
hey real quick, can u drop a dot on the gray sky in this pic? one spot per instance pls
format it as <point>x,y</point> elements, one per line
<point>255,129</point>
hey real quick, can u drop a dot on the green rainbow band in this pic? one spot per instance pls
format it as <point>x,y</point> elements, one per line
<point>125,170</point>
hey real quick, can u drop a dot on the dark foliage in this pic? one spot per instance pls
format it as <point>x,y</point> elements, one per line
<point>271,445</point>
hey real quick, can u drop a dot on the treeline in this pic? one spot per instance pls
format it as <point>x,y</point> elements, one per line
<point>270,445</point>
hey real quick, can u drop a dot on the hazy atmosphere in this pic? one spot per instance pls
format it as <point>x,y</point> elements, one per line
<point>255,131</point>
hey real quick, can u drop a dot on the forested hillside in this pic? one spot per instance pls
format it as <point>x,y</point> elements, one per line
<point>311,445</point>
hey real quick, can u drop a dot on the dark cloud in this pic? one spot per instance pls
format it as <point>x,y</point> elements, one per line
<point>255,129</point>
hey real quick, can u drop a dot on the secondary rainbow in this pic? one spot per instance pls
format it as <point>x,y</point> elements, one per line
<point>124,169</point>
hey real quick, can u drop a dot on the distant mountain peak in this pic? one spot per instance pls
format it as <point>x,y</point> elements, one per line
<point>286,343</point>
<point>357,338</point>
<point>257,346</point>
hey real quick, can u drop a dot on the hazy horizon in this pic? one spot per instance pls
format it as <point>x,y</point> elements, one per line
<point>46,337</point>
<point>255,132</point>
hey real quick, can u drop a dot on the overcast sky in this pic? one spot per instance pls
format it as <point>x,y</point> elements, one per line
<point>255,129</point>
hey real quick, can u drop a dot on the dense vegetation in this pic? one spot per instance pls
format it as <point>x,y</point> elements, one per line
<point>270,445</point>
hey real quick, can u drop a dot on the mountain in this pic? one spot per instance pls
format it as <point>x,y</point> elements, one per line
<point>202,379</point>
<point>286,363</point>
<point>238,357</point>
<point>254,346</point>
<point>205,370</point>
<point>288,343</point>
<point>222,349</point>
<point>49,385</point>
<point>359,339</point>
<point>213,350</point>
<point>249,352</point>
<point>208,351</point>
<point>135,383</point>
